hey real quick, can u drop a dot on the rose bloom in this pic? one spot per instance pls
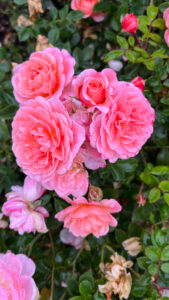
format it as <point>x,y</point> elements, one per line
<point>166,17</point>
<point>45,74</point>
<point>87,6</point>
<point>83,217</point>
<point>124,129</point>
<point>26,214</point>
<point>73,182</point>
<point>45,139</point>
<point>16,282</point>
<point>130,23</point>
<point>166,37</point>
<point>139,82</point>
<point>91,87</point>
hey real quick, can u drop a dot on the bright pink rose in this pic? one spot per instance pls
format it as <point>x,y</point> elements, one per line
<point>130,23</point>
<point>139,82</point>
<point>166,17</point>
<point>91,87</point>
<point>16,282</point>
<point>86,6</point>
<point>26,215</point>
<point>45,74</point>
<point>124,129</point>
<point>83,217</point>
<point>45,139</point>
<point>166,37</point>
<point>73,182</point>
<point>67,237</point>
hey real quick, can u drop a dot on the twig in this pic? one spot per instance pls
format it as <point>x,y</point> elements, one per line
<point>53,266</point>
<point>143,158</point>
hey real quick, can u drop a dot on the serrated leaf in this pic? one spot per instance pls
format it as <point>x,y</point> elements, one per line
<point>153,269</point>
<point>113,54</point>
<point>152,11</point>
<point>165,254</point>
<point>165,268</point>
<point>153,253</point>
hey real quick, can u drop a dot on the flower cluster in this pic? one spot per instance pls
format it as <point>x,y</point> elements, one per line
<point>166,19</point>
<point>65,125</point>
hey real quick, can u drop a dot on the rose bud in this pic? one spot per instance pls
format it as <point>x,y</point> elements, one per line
<point>95,193</point>
<point>139,82</point>
<point>129,23</point>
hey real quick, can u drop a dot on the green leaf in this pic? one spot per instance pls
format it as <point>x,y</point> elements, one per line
<point>160,170</point>
<point>3,130</point>
<point>63,12</point>
<point>142,52</point>
<point>138,291</point>
<point>4,66</point>
<point>152,11</point>
<point>164,185</point>
<point>153,253</point>
<point>163,6</point>
<point>165,268</point>
<point>131,55</point>
<point>143,262</point>
<point>159,23</point>
<point>8,112</point>
<point>120,235</point>
<point>20,2</point>
<point>85,287</point>
<point>24,34</point>
<point>98,296</point>
<point>75,15</point>
<point>87,54</point>
<point>159,238</point>
<point>53,35</point>
<point>153,269</point>
<point>154,195</point>
<point>113,54</point>
<point>165,253</point>
<point>122,42</point>
<point>72,286</point>
<point>87,276</point>
<point>53,13</point>
<point>159,53</point>
<point>166,198</point>
<point>76,298</point>
<point>131,41</point>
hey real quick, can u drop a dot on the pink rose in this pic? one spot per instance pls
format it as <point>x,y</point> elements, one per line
<point>67,237</point>
<point>166,37</point>
<point>83,217</point>
<point>130,23</point>
<point>26,215</point>
<point>45,74</point>
<point>166,17</point>
<point>91,87</point>
<point>16,282</point>
<point>93,159</point>
<point>73,182</point>
<point>139,82</point>
<point>87,6</point>
<point>124,129</point>
<point>45,139</point>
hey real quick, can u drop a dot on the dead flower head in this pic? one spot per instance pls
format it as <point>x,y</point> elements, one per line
<point>132,246</point>
<point>34,7</point>
<point>24,22</point>
<point>42,43</point>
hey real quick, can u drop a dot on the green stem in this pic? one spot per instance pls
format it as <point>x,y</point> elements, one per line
<point>30,246</point>
<point>102,251</point>
<point>75,260</point>
<point>53,267</point>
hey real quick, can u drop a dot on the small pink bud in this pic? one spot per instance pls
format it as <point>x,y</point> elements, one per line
<point>95,193</point>
<point>141,199</point>
<point>139,82</point>
<point>130,23</point>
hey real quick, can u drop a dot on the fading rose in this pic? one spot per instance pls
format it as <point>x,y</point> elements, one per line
<point>130,23</point>
<point>16,282</point>
<point>124,129</point>
<point>45,74</point>
<point>87,6</point>
<point>83,217</point>
<point>91,87</point>
<point>25,213</point>
<point>45,139</point>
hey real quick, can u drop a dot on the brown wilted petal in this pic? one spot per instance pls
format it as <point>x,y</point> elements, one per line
<point>34,7</point>
<point>24,22</point>
<point>132,246</point>
<point>42,43</point>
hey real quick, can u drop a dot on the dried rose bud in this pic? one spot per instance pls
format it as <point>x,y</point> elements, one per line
<point>130,23</point>
<point>139,82</point>
<point>95,193</point>
<point>24,22</point>
<point>132,246</point>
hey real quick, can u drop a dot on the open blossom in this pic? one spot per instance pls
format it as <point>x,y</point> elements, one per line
<point>130,23</point>
<point>45,74</point>
<point>3,223</point>
<point>87,6</point>
<point>16,282</point>
<point>139,82</point>
<point>68,238</point>
<point>24,212</point>
<point>91,87</point>
<point>45,139</point>
<point>73,182</point>
<point>83,217</point>
<point>124,129</point>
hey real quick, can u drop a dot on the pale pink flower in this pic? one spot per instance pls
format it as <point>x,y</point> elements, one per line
<point>16,282</point>
<point>166,17</point>
<point>25,214</point>
<point>3,223</point>
<point>130,23</point>
<point>91,88</point>
<point>87,6</point>
<point>45,139</point>
<point>139,82</point>
<point>68,238</point>
<point>73,182</point>
<point>124,129</point>
<point>166,37</point>
<point>45,74</point>
<point>83,217</point>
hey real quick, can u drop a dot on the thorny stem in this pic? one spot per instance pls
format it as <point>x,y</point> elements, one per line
<point>53,266</point>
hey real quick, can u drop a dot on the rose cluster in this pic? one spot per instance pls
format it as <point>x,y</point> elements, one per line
<point>65,125</point>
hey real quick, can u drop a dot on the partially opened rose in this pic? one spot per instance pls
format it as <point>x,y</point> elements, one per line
<point>45,139</point>
<point>45,74</point>
<point>87,6</point>
<point>16,282</point>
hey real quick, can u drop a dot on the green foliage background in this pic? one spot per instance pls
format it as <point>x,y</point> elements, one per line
<point>80,270</point>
